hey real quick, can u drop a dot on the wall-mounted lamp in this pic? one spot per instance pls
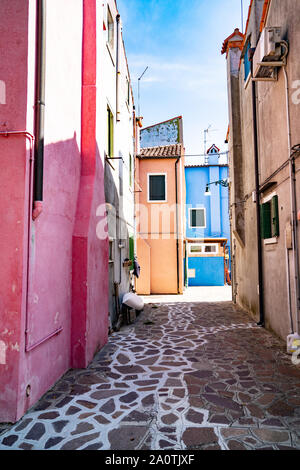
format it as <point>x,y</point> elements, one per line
<point>224,183</point>
<point>207,191</point>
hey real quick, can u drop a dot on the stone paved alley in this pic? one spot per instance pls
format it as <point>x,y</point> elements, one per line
<point>184,376</point>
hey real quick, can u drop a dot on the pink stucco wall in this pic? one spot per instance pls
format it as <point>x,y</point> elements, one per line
<point>90,255</point>
<point>53,280</point>
<point>14,161</point>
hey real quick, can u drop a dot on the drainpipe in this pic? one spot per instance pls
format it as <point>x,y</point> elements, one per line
<point>177,223</point>
<point>117,67</point>
<point>258,219</point>
<point>134,180</point>
<point>292,331</point>
<point>233,278</point>
<point>39,109</point>
<point>293,202</point>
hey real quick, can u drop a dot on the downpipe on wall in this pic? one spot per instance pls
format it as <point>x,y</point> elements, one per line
<point>292,174</point>
<point>258,217</point>
<point>39,124</point>
<point>118,68</point>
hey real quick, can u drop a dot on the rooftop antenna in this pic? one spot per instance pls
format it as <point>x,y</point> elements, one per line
<point>205,141</point>
<point>205,138</point>
<point>139,91</point>
<point>242,14</point>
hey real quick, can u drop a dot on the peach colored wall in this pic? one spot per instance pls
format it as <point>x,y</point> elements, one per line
<point>143,283</point>
<point>163,266</point>
<point>161,235</point>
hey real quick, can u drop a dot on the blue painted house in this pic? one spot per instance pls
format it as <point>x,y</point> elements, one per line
<point>207,254</point>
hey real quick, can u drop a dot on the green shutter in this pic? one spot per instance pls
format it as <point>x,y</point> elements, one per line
<point>110,133</point>
<point>265,215</point>
<point>275,217</point>
<point>131,248</point>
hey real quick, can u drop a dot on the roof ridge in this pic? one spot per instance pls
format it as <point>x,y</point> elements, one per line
<point>163,122</point>
<point>161,146</point>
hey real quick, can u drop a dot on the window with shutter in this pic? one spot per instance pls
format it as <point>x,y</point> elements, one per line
<point>197,218</point>
<point>157,188</point>
<point>247,63</point>
<point>110,133</point>
<point>110,29</point>
<point>131,249</point>
<point>265,215</point>
<point>275,217</point>
<point>270,219</point>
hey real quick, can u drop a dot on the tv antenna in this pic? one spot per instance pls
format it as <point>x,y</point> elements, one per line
<point>206,131</point>
<point>139,91</point>
<point>242,15</point>
<point>205,138</point>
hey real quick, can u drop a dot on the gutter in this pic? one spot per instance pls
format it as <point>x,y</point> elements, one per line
<point>39,109</point>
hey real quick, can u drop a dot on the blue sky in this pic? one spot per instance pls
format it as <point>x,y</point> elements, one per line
<point>181,42</point>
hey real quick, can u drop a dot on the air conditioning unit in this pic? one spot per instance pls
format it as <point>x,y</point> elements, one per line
<point>268,54</point>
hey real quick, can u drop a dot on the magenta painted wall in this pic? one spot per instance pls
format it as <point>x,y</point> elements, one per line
<point>90,255</point>
<point>14,161</point>
<point>63,288</point>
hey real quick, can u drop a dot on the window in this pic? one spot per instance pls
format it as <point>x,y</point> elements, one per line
<point>197,218</point>
<point>202,248</point>
<point>127,92</point>
<point>110,29</point>
<point>121,179</point>
<point>270,219</point>
<point>210,249</point>
<point>195,249</point>
<point>157,191</point>
<point>131,249</point>
<point>111,256</point>
<point>110,133</point>
<point>247,63</point>
<point>130,171</point>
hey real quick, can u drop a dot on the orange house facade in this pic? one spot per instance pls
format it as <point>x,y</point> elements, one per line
<point>160,219</point>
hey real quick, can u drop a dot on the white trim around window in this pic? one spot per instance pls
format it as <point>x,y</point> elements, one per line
<point>195,209</point>
<point>148,187</point>
<point>201,249</point>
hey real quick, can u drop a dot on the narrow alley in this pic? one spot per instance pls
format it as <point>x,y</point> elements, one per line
<point>184,376</point>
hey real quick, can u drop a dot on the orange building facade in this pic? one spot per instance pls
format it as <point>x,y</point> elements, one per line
<point>160,218</point>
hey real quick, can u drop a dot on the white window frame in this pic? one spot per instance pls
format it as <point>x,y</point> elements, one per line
<point>216,245</point>
<point>193,253</point>
<point>249,76</point>
<point>108,22</point>
<point>202,251</point>
<point>131,173</point>
<point>274,240</point>
<point>127,92</point>
<point>148,188</point>
<point>193,209</point>
<point>111,250</point>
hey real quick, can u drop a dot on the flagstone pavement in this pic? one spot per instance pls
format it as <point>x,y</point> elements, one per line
<point>184,376</point>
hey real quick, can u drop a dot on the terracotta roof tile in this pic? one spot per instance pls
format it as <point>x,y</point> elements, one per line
<point>238,37</point>
<point>163,151</point>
